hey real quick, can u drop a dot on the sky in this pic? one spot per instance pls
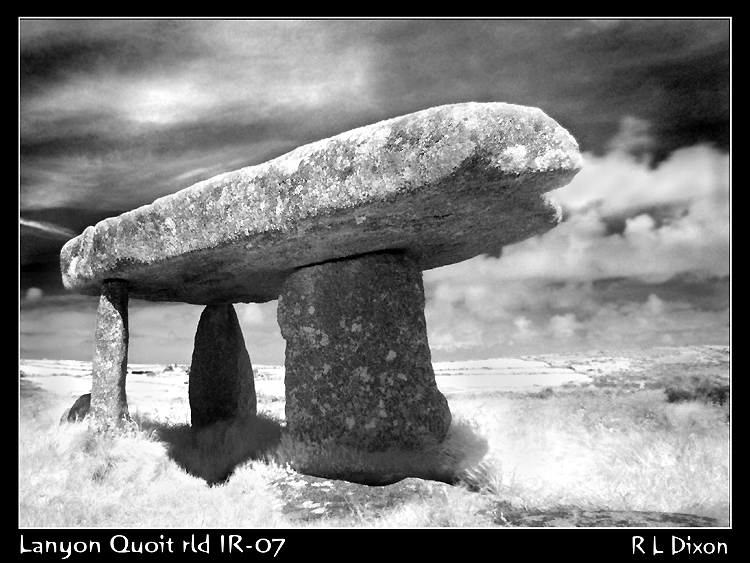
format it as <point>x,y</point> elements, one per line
<point>116,113</point>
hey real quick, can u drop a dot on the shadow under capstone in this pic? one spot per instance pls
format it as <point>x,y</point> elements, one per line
<point>213,452</point>
<point>455,460</point>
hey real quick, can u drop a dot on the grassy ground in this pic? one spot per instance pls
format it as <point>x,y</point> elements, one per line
<point>590,448</point>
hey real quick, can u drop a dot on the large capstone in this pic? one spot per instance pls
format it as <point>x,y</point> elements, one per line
<point>444,185</point>
<point>358,365</point>
<point>221,384</point>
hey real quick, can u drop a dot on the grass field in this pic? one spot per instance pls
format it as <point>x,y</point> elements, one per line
<point>598,447</point>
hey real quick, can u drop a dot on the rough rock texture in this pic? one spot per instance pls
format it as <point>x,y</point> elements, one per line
<point>358,365</point>
<point>443,185</point>
<point>571,517</point>
<point>79,410</point>
<point>221,384</point>
<point>315,500</point>
<point>109,403</point>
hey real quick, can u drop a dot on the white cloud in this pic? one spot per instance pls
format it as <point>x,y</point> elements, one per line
<point>34,294</point>
<point>255,314</point>
<point>47,229</point>
<point>564,326</point>
<point>672,219</point>
<point>634,136</point>
<point>524,328</point>
<point>695,182</point>
<point>618,183</point>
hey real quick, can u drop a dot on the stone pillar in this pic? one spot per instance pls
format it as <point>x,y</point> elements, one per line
<point>221,384</point>
<point>358,365</point>
<point>109,403</point>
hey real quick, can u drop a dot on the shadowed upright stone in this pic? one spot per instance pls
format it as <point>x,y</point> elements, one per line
<point>221,384</point>
<point>358,365</point>
<point>109,403</point>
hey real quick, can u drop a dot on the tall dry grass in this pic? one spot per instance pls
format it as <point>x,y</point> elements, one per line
<point>69,477</point>
<point>612,451</point>
<point>586,449</point>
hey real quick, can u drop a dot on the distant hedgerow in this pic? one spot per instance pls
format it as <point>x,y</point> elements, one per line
<point>697,388</point>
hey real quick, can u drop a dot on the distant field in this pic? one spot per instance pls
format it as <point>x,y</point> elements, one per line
<point>589,431</point>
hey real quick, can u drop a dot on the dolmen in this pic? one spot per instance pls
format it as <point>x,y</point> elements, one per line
<point>339,232</point>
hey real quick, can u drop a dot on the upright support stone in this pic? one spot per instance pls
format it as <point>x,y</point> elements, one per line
<point>109,402</point>
<point>358,365</point>
<point>221,384</point>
